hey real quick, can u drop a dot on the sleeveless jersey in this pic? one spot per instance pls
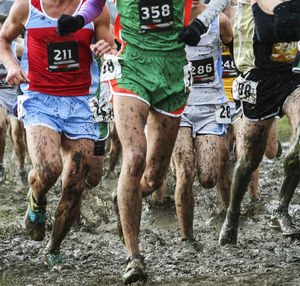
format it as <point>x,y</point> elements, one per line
<point>229,71</point>
<point>207,68</point>
<point>62,66</point>
<point>249,53</point>
<point>152,24</point>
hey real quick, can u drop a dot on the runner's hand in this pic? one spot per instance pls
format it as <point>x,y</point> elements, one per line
<point>16,76</point>
<point>101,47</point>
<point>191,34</point>
<point>67,24</point>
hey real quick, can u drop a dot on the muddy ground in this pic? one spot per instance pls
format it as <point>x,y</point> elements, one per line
<point>95,256</point>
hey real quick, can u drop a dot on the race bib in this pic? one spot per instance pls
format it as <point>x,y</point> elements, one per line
<point>111,68</point>
<point>62,56</point>
<point>188,77</point>
<point>203,71</point>
<point>245,90</point>
<point>21,110</point>
<point>223,114</point>
<point>155,15</point>
<point>228,66</point>
<point>102,113</point>
<point>284,52</point>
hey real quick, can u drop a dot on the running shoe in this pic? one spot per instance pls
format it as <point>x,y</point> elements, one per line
<point>119,225</point>
<point>284,222</point>
<point>35,219</point>
<point>1,173</point>
<point>229,231</point>
<point>135,270</point>
<point>54,261</point>
<point>188,239</point>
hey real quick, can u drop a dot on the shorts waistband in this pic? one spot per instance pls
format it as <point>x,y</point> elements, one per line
<point>155,53</point>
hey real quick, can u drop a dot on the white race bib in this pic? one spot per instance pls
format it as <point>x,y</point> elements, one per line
<point>223,114</point>
<point>102,113</point>
<point>245,90</point>
<point>111,68</point>
<point>21,110</point>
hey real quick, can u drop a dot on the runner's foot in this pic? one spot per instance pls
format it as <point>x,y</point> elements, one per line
<point>54,261</point>
<point>229,231</point>
<point>35,219</point>
<point>135,270</point>
<point>284,222</point>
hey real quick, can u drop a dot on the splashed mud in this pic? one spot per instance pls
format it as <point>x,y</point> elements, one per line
<point>95,256</point>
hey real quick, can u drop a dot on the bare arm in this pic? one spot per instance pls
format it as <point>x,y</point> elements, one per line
<point>226,32</point>
<point>105,41</point>
<point>12,27</point>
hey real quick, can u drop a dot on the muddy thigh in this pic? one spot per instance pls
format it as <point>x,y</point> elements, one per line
<point>208,159</point>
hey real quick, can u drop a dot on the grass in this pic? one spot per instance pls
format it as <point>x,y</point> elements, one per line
<point>284,129</point>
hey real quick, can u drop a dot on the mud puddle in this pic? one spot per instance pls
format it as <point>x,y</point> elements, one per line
<point>95,256</point>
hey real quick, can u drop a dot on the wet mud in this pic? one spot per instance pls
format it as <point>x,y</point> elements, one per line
<point>95,255</point>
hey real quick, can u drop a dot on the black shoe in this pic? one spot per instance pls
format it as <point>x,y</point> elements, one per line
<point>119,225</point>
<point>135,270</point>
<point>284,222</point>
<point>1,173</point>
<point>229,231</point>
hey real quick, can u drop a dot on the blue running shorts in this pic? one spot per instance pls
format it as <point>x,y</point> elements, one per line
<point>69,115</point>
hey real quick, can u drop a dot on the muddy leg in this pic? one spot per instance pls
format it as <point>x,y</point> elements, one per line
<point>130,119</point>
<point>77,155</point>
<point>272,143</point>
<point>255,138</point>
<point>161,135</point>
<point>291,168</point>
<point>17,134</point>
<point>184,163</point>
<point>44,149</point>
<point>95,175</point>
<point>207,159</point>
<point>223,186</point>
<point>115,148</point>
<point>3,128</point>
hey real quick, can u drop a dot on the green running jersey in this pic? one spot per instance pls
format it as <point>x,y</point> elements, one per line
<point>152,24</point>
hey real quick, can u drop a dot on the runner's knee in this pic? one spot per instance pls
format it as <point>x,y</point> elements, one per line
<point>47,173</point>
<point>208,180</point>
<point>185,173</point>
<point>135,161</point>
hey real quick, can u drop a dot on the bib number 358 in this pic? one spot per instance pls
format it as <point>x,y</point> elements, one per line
<point>155,15</point>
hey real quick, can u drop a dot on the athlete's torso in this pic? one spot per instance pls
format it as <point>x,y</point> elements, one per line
<point>207,67</point>
<point>249,53</point>
<point>62,66</point>
<point>152,25</point>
